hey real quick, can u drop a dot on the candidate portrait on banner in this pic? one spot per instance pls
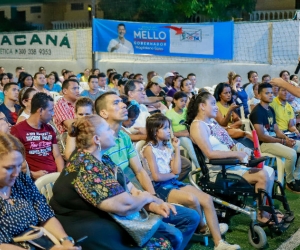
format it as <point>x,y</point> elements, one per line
<point>120,44</point>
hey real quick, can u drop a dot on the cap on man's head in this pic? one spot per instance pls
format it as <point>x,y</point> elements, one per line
<point>168,74</point>
<point>41,68</point>
<point>122,81</point>
<point>158,80</point>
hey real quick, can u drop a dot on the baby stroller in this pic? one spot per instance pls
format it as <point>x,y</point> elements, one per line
<point>231,194</point>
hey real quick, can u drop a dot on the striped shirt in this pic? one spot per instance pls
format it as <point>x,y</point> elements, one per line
<point>123,151</point>
<point>63,110</point>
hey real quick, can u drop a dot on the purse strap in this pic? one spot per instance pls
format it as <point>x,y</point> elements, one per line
<point>36,233</point>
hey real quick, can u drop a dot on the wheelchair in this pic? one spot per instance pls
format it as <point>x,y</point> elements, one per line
<point>231,194</point>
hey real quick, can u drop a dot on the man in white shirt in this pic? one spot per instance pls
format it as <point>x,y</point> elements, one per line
<point>120,44</point>
<point>192,78</point>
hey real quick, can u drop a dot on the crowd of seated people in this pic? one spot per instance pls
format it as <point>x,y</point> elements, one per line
<point>91,128</point>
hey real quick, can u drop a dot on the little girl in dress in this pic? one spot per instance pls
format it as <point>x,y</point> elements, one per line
<point>163,165</point>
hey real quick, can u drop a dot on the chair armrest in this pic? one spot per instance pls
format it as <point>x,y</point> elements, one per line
<point>227,161</point>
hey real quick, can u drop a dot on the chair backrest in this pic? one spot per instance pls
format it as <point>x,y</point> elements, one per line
<point>200,157</point>
<point>139,145</point>
<point>45,183</point>
<point>85,85</point>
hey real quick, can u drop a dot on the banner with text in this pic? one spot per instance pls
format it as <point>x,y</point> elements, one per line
<point>205,40</point>
<point>38,45</point>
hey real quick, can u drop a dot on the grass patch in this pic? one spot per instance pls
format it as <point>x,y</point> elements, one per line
<point>240,225</point>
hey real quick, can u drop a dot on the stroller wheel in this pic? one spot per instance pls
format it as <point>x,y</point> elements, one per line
<point>259,239</point>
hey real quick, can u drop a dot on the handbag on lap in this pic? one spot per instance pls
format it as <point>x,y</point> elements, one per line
<point>36,238</point>
<point>141,225</point>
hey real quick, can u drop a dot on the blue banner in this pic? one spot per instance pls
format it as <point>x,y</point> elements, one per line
<point>205,40</point>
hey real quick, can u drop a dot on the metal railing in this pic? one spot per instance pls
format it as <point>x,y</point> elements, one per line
<point>78,24</point>
<point>269,15</point>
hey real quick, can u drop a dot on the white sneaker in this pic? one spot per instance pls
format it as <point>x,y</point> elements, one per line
<point>223,229</point>
<point>223,245</point>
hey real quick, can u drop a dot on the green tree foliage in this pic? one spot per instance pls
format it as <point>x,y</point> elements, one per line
<point>174,10</point>
<point>7,25</point>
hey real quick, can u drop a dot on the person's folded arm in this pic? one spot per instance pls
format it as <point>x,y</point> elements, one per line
<point>156,175</point>
<point>125,204</point>
<point>266,138</point>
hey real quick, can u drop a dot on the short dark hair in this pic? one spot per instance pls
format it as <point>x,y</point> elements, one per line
<point>137,75</point>
<point>121,24</point>
<point>8,85</point>
<point>40,100</point>
<point>117,76</point>
<point>10,75</point>
<point>283,71</point>
<point>37,73</point>
<point>109,70</point>
<point>84,102</point>
<point>130,85</point>
<point>262,86</point>
<point>100,102</point>
<point>190,74</point>
<point>101,75</point>
<point>92,77</point>
<point>265,75</point>
<point>19,68</point>
<point>66,83</point>
<point>66,72</point>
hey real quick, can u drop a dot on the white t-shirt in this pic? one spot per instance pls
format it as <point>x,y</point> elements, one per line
<point>141,120</point>
<point>124,47</point>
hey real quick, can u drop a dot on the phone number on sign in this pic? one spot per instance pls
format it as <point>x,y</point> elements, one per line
<point>33,51</point>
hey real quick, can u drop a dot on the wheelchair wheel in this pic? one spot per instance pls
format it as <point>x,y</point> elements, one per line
<point>260,237</point>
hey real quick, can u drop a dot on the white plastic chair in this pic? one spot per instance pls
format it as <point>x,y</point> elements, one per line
<point>85,85</point>
<point>45,183</point>
<point>280,166</point>
<point>53,94</point>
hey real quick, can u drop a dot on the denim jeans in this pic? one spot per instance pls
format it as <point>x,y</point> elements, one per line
<point>182,228</point>
<point>188,145</point>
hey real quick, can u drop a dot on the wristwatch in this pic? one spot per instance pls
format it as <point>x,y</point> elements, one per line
<point>69,238</point>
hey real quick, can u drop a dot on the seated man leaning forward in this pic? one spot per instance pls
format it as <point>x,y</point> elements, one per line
<point>110,107</point>
<point>39,139</point>
<point>264,120</point>
<point>65,107</point>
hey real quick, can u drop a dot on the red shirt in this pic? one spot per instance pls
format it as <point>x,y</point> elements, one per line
<point>38,145</point>
<point>63,110</point>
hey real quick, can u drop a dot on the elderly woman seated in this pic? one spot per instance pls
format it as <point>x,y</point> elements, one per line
<point>87,191</point>
<point>21,204</point>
